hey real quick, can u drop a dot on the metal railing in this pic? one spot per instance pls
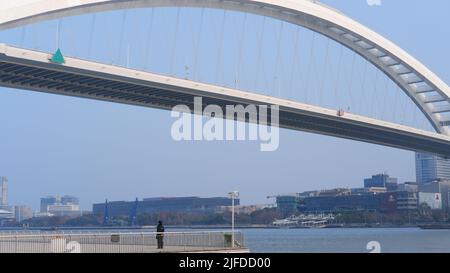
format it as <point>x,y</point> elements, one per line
<point>117,242</point>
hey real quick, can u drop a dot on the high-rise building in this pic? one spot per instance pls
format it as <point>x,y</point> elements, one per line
<point>47,201</point>
<point>70,200</point>
<point>3,191</point>
<point>381,181</point>
<point>22,213</point>
<point>288,205</point>
<point>60,206</point>
<point>431,168</point>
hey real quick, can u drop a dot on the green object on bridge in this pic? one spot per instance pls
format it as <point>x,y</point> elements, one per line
<point>58,58</point>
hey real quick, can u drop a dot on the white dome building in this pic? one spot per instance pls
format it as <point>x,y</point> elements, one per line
<point>5,214</point>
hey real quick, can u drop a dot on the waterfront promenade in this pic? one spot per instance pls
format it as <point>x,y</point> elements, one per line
<point>143,242</point>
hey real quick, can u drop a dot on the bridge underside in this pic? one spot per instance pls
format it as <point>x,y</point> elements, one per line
<point>32,71</point>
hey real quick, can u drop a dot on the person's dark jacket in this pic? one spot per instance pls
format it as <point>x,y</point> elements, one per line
<point>159,230</point>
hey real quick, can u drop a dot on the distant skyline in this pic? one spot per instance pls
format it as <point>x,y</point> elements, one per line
<point>57,145</point>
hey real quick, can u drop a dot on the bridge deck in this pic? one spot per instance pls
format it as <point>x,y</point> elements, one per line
<point>31,70</point>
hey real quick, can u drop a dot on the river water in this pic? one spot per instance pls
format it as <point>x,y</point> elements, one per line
<point>343,240</point>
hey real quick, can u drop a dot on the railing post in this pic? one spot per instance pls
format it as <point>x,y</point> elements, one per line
<point>209,239</point>
<point>143,242</point>
<point>15,244</point>
<point>43,244</point>
<point>95,243</point>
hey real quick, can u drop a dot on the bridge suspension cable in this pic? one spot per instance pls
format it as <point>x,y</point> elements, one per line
<point>122,33</point>
<point>294,62</point>
<point>309,70</point>
<point>148,40</point>
<point>283,66</point>
<point>91,35</point>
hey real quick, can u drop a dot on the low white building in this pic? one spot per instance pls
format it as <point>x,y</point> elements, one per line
<point>42,214</point>
<point>64,210</point>
<point>6,214</point>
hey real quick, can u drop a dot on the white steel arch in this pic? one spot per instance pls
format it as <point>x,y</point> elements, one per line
<point>426,89</point>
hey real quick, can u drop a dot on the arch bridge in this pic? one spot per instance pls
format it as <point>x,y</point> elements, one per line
<point>31,70</point>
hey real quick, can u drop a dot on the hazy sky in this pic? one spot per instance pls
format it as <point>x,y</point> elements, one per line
<point>95,150</point>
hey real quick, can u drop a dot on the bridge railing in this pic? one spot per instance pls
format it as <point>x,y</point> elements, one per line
<point>118,242</point>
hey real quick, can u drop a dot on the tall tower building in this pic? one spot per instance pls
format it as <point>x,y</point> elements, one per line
<point>48,201</point>
<point>430,168</point>
<point>3,191</point>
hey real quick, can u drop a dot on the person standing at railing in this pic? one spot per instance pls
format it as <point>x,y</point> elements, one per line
<point>160,235</point>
